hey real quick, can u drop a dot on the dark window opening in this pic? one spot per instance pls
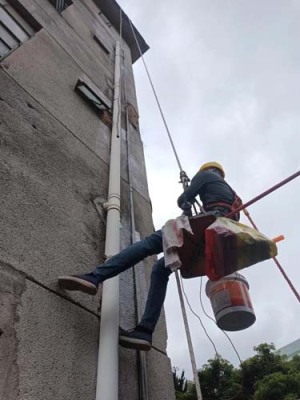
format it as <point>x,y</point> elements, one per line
<point>105,19</point>
<point>16,26</point>
<point>61,5</point>
<point>103,47</point>
<point>98,101</point>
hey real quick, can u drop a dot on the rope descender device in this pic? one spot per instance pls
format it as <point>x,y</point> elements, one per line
<point>184,179</point>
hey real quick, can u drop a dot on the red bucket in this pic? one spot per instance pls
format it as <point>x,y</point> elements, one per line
<point>231,303</point>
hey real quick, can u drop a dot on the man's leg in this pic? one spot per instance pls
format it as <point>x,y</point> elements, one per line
<point>116,264</point>
<point>141,337</point>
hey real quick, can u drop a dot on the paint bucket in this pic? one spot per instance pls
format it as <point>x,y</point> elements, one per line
<point>231,302</point>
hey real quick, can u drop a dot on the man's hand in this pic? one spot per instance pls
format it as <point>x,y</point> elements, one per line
<point>187,209</point>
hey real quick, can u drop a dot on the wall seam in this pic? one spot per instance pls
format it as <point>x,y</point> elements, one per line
<point>65,297</point>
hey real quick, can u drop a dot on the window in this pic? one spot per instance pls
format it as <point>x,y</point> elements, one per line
<point>105,19</point>
<point>61,5</point>
<point>14,29</point>
<point>101,44</point>
<point>93,95</point>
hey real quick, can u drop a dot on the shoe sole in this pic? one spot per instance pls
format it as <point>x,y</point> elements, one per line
<point>137,344</point>
<point>77,284</point>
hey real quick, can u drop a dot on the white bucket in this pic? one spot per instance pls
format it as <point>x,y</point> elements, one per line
<point>231,302</point>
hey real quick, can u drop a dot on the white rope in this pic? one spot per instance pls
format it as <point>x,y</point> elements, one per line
<point>184,181</point>
<point>156,98</point>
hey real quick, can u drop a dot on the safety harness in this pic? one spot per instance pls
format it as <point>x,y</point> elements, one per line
<point>231,207</point>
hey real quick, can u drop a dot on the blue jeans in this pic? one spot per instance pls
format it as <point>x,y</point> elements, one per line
<point>132,255</point>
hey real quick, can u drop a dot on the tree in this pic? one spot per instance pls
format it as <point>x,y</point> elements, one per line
<point>180,382</point>
<point>265,376</point>
<point>278,386</point>
<point>264,363</point>
<point>219,380</point>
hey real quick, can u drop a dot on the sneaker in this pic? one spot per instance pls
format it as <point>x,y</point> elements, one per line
<point>138,338</point>
<point>86,283</point>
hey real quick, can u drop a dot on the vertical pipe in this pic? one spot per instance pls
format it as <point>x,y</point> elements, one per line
<point>108,365</point>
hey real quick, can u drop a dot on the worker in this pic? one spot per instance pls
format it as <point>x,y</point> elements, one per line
<point>216,196</point>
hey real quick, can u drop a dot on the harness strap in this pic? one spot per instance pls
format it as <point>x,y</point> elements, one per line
<point>230,207</point>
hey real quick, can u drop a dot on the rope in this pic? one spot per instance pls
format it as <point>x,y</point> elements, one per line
<point>156,98</point>
<point>189,340</point>
<point>208,316</point>
<point>198,317</point>
<point>230,341</point>
<point>289,282</point>
<point>184,180</point>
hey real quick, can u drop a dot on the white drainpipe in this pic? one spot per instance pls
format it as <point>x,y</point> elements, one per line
<point>108,365</point>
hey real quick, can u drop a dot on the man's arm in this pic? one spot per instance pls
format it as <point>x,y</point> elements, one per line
<point>188,196</point>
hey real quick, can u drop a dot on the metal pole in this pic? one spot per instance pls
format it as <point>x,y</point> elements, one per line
<point>185,182</point>
<point>108,365</point>
<point>189,340</point>
<point>264,194</point>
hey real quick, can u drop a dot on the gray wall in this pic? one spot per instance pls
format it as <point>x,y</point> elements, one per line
<point>54,160</point>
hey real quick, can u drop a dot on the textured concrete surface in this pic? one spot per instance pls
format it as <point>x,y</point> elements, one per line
<point>53,87</point>
<point>77,40</point>
<point>85,24</point>
<point>137,162</point>
<point>68,39</point>
<point>57,348</point>
<point>128,375</point>
<point>159,376</point>
<point>12,284</point>
<point>54,161</point>
<point>48,179</point>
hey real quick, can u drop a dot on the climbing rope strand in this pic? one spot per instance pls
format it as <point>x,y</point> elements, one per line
<point>208,316</point>
<point>156,97</point>
<point>198,317</point>
<point>230,341</point>
<point>217,354</point>
<point>184,180</point>
<point>289,282</point>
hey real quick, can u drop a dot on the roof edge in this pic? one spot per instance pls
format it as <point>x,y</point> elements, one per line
<point>111,10</point>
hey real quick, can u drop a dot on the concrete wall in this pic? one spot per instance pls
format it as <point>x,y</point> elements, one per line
<point>54,161</point>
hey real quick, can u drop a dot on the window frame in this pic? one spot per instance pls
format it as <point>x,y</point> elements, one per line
<point>16,26</point>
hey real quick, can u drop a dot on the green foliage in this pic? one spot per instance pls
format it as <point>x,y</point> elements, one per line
<point>278,386</point>
<point>264,363</point>
<point>265,376</point>
<point>218,379</point>
<point>180,382</point>
<point>294,364</point>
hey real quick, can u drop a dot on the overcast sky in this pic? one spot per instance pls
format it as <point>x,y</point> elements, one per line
<point>227,74</point>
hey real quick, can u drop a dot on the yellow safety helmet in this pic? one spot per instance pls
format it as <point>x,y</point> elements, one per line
<point>213,164</point>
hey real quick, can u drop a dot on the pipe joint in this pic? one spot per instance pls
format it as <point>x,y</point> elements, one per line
<point>113,203</point>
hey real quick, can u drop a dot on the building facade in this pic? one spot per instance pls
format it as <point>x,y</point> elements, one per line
<point>56,95</point>
<point>290,350</point>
